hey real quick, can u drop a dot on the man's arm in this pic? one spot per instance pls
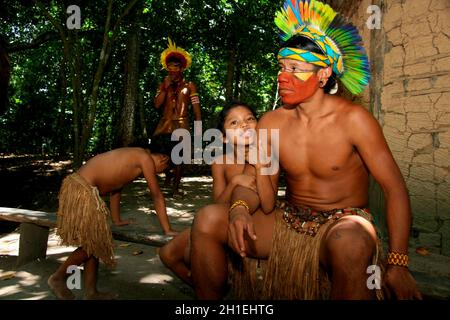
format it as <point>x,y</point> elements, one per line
<point>148,170</point>
<point>195,101</point>
<point>368,138</point>
<point>161,93</point>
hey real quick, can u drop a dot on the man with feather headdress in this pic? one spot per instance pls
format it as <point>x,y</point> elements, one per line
<point>174,95</point>
<point>321,240</point>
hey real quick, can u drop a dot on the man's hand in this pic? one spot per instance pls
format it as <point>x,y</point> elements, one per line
<point>166,83</point>
<point>240,223</point>
<point>399,282</point>
<point>245,181</point>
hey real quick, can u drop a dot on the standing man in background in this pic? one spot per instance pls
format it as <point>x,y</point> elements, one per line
<point>174,95</point>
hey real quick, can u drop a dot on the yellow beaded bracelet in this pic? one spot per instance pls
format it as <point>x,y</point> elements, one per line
<point>238,203</point>
<point>397,259</point>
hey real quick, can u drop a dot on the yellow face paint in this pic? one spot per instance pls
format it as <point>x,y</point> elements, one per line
<point>303,75</point>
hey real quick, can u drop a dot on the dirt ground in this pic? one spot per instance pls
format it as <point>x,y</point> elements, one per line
<point>137,276</point>
<point>33,183</point>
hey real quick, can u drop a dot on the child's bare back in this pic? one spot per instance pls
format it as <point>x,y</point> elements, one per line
<point>113,170</point>
<point>109,172</point>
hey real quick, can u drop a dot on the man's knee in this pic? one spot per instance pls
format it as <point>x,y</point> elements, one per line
<point>349,245</point>
<point>210,220</point>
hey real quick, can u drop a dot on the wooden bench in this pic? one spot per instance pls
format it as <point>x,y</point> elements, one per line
<point>35,226</point>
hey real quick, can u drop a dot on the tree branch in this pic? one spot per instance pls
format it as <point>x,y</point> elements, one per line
<point>123,14</point>
<point>35,43</point>
<point>52,20</point>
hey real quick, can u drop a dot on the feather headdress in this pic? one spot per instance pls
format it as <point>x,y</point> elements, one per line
<point>338,39</point>
<point>179,53</point>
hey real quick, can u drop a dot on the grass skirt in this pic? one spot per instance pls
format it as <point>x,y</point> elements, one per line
<point>83,219</point>
<point>292,271</point>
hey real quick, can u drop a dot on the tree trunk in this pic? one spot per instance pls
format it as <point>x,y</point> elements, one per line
<point>84,112</point>
<point>237,80</point>
<point>109,37</point>
<point>143,126</point>
<point>79,108</point>
<point>60,130</point>
<point>230,75</point>
<point>5,72</point>
<point>125,134</point>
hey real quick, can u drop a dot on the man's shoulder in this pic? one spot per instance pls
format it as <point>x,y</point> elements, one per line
<point>350,111</point>
<point>273,117</point>
<point>355,116</point>
<point>190,84</point>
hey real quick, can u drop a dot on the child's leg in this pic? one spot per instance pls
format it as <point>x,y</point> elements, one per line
<point>169,175</point>
<point>57,281</point>
<point>173,256</point>
<point>90,282</point>
<point>176,184</point>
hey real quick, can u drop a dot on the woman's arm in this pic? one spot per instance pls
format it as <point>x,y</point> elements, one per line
<point>221,189</point>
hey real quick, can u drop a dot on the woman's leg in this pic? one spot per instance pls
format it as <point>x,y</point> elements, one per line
<point>173,256</point>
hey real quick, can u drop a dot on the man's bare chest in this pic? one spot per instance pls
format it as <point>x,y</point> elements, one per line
<point>181,89</point>
<point>322,153</point>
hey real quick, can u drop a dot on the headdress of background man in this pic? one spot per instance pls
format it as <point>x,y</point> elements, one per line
<point>178,53</point>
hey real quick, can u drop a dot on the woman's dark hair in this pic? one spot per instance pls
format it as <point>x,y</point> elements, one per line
<point>304,43</point>
<point>226,110</point>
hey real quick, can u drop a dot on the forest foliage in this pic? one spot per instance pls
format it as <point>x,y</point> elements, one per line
<point>67,86</point>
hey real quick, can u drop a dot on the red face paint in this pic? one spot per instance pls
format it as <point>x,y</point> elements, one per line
<point>175,76</point>
<point>294,91</point>
<point>174,71</point>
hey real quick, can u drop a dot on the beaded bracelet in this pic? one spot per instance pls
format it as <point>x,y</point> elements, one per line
<point>397,259</point>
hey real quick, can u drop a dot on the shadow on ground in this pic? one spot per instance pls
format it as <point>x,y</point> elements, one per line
<point>139,273</point>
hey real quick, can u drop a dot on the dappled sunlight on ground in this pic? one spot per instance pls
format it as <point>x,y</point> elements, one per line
<point>27,279</point>
<point>136,276</point>
<point>9,290</point>
<point>156,278</point>
<point>137,203</point>
<point>139,273</point>
<point>38,296</point>
<point>21,281</point>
